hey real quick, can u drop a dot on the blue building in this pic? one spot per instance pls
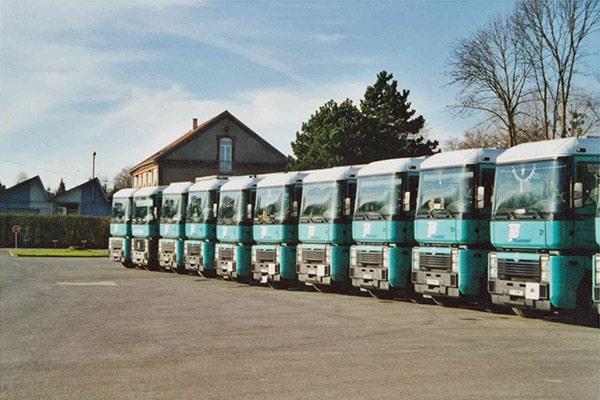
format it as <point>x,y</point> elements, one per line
<point>30,197</point>
<point>88,198</point>
<point>27,197</point>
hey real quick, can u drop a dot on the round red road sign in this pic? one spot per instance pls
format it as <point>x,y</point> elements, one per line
<point>16,229</point>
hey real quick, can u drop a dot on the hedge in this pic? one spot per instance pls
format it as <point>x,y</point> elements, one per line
<point>68,230</point>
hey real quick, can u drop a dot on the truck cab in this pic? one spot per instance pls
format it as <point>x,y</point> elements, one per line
<point>234,228</point>
<point>147,203</point>
<point>172,227</point>
<point>452,226</point>
<point>542,226</point>
<point>201,226</point>
<point>119,244</point>
<point>275,229</point>
<point>383,227</point>
<point>325,228</point>
<point>596,261</point>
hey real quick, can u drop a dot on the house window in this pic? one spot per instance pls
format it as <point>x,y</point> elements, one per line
<point>225,159</point>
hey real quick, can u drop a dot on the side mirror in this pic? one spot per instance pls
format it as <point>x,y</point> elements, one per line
<point>347,206</point>
<point>295,208</point>
<point>480,197</point>
<point>577,195</point>
<point>214,210</point>
<point>406,201</point>
<point>249,211</point>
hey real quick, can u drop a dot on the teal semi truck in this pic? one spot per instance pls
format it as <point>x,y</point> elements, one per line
<point>596,266</point>
<point>147,203</point>
<point>383,227</point>
<point>119,244</point>
<point>201,226</point>
<point>234,228</point>
<point>275,229</point>
<point>172,227</point>
<point>452,226</point>
<point>543,227</point>
<point>325,228</point>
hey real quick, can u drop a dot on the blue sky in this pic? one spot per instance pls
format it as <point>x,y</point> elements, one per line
<point>124,79</point>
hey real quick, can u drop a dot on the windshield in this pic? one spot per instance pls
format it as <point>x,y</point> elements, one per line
<point>321,202</point>
<point>143,212</point>
<point>121,211</point>
<point>445,192</point>
<point>271,205</point>
<point>527,190</point>
<point>378,197</point>
<point>200,207</point>
<point>232,208</point>
<point>172,208</point>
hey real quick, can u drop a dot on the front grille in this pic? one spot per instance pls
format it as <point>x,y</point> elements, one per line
<point>139,244</point>
<point>527,269</point>
<point>313,255</point>
<point>438,261</point>
<point>193,248</point>
<point>116,244</point>
<point>265,255</point>
<point>168,247</point>
<point>375,258</point>
<point>226,254</point>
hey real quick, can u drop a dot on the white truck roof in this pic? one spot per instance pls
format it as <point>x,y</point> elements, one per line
<point>390,166</point>
<point>331,174</point>
<point>240,183</point>
<point>549,150</point>
<point>125,193</point>
<point>461,158</point>
<point>178,187</point>
<point>149,191</point>
<point>281,179</point>
<point>211,184</point>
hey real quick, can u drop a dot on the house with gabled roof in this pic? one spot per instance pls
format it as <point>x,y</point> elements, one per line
<point>27,197</point>
<point>89,198</point>
<point>222,145</point>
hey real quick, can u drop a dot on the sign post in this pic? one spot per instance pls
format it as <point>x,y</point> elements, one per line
<point>16,229</point>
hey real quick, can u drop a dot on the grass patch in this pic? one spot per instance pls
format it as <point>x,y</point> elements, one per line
<point>70,252</point>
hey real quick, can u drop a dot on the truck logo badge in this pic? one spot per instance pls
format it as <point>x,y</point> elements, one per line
<point>513,231</point>
<point>366,229</point>
<point>431,228</point>
<point>516,257</point>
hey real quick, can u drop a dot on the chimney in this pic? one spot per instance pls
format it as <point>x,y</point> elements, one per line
<point>194,123</point>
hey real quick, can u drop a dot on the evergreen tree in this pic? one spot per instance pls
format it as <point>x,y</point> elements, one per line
<point>392,123</point>
<point>61,188</point>
<point>342,134</point>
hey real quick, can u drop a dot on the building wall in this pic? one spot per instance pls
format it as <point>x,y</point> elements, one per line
<point>199,156</point>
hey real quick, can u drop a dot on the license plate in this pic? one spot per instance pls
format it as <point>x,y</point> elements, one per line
<point>367,276</point>
<point>433,282</point>
<point>515,292</point>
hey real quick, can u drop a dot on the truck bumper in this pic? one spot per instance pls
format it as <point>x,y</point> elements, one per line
<point>436,283</point>
<point>520,294</point>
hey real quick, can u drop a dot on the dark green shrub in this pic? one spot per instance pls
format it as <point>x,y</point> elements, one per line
<point>41,231</point>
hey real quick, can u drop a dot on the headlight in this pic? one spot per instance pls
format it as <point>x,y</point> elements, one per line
<point>454,260</point>
<point>545,267</point>
<point>299,253</point>
<point>415,260</point>
<point>160,245</point>
<point>328,255</point>
<point>254,250</point>
<point>278,255</point>
<point>353,255</point>
<point>386,257</point>
<point>493,266</point>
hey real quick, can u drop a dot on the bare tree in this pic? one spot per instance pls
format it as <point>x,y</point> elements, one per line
<point>491,71</point>
<point>122,180</point>
<point>552,33</point>
<point>478,138</point>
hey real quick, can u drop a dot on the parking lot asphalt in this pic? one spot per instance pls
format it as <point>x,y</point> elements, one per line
<point>91,329</point>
